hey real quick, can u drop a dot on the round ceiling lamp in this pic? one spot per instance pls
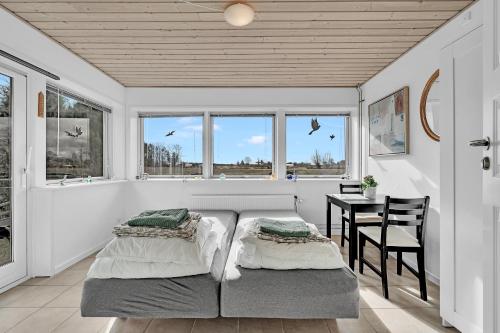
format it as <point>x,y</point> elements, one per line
<point>239,14</point>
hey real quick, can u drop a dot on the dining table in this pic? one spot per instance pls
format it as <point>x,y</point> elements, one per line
<point>352,204</point>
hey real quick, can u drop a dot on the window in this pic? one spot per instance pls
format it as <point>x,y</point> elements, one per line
<point>172,145</point>
<point>316,145</point>
<point>242,145</point>
<point>75,138</point>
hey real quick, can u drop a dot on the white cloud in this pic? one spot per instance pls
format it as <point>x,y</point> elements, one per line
<point>257,140</point>
<point>186,120</point>
<point>197,128</point>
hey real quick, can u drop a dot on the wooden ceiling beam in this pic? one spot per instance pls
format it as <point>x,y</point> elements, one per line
<point>260,6</point>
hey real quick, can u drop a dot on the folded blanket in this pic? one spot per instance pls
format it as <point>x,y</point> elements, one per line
<point>186,230</point>
<point>167,218</point>
<point>283,228</point>
<point>314,237</point>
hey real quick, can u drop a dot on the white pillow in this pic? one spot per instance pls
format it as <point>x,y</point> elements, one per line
<point>165,250</point>
<point>256,253</point>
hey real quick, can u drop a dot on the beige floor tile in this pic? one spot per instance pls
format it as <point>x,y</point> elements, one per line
<point>34,281</point>
<point>44,320</point>
<point>371,297</point>
<point>78,324</point>
<point>171,326</point>
<point>400,321</point>
<point>432,316</point>
<point>217,325</point>
<point>9,317</point>
<point>305,326</point>
<point>128,325</point>
<point>83,265</point>
<point>258,325</point>
<point>359,325</point>
<point>65,278</point>
<point>71,298</point>
<point>30,296</point>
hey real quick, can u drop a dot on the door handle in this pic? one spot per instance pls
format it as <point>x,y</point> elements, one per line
<point>481,143</point>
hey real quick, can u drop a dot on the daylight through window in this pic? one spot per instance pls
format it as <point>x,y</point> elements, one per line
<point>242,145</point>
<point>173,145</point>
<point>316,145</point>
<point>75,136</point>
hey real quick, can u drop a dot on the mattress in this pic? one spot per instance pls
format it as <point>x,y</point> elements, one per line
<point>181,297</point>
<point>296,294</point>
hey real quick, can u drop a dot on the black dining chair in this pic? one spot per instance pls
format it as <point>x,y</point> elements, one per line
<point>362,219</point>
<point>390,237</point>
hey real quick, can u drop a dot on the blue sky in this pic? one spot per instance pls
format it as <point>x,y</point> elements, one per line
<point>4,80</point>
<point>238,137</point>
<point>301,145</point>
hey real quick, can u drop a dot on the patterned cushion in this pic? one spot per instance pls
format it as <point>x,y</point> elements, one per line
<point>396,236</point>
<point>366,218</point>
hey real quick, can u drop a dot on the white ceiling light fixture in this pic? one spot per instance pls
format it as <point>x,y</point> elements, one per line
<point>239,14</point>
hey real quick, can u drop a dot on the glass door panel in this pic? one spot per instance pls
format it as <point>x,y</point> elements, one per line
<point>12,177</point>
<point>5,169</point>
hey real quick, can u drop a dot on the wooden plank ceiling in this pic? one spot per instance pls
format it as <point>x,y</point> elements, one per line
<point>160,43</point>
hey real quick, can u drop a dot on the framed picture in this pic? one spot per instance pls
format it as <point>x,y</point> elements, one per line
<point>388,124</point>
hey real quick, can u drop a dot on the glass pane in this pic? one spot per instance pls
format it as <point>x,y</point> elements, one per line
<point>75,137</point>
<point>315,145</point>
<point>173,146</point>
<point>242,145</point>
<point>5,170</point>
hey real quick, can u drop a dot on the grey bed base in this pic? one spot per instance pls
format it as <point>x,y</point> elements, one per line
<point>194,296</point>
<point>185,297</point>
<point>295,294</point>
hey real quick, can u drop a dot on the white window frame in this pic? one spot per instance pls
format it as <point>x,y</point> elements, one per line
<point>279,134</point>
<point>347,141</point>
<point>106,140</point>
<point>242,114</point>
<point>140,165</point>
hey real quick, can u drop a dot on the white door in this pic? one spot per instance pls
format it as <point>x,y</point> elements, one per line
<point>461,184</point>
<point>12,177</point>
<point>491,177</point>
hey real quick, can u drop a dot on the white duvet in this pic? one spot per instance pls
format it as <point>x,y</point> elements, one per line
<point>255,253</point>
<point>146,257</point>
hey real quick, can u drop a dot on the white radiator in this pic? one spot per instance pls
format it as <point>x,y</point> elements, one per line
<point>241,202</point>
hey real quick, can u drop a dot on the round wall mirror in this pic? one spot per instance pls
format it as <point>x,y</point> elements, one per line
<point>430,105</point>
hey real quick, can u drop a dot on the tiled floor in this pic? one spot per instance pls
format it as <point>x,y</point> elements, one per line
<point>52,305</point>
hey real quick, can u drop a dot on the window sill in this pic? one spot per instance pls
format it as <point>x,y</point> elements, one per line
<point>69,185</point>
<point>242,179</point>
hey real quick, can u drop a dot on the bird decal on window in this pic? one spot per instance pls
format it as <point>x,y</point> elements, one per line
<point>314,125</point>
<point>77,133</point>
<point>332,136</point>
<point>170,133</point>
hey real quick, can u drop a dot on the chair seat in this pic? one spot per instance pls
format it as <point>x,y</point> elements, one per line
<point>366,218</point>
<point>396,236</point>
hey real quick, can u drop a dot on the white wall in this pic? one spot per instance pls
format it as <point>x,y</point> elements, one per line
<point>416,174</point>
<point>162,193</point>
<point>51,208</point>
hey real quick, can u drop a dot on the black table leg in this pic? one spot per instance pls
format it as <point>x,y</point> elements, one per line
<point>328,219</point>
<point>353,238</point>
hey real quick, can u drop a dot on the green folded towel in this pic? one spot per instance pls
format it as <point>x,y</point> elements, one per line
<point>285,229</point>
<point>166,218</point>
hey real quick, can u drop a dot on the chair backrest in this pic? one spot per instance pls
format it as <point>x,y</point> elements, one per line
<point>405,212</point>
<point>350,189</point>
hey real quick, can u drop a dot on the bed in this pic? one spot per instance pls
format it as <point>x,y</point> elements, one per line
<point>297,294</point>
<point>181,297</point>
